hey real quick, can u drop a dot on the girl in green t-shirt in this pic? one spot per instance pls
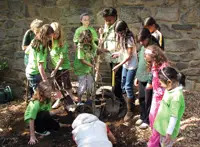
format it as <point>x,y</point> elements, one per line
<point>35,26</point>
<point>172,106</point>
<point>83,64</point>
<point>38,113</point>
<point>60,61</point>
<point>85,24</point>
<point>35,70</point>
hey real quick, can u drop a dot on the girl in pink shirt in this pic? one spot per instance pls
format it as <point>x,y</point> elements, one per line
<point>156,60</point>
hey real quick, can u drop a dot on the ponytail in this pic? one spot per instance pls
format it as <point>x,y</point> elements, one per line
<point>169,73</point>
<point>181,79</point>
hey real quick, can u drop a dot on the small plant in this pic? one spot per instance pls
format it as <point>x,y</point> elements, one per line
<point>3,64</point>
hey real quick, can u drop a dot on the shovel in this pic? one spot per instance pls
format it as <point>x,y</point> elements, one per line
<point>112,104</point>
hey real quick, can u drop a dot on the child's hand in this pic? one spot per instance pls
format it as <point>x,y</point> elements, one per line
<point>33,140</point>
<point>115,55</point>
<point>101,30</point>
<point>168,139</point>
<point>136,82</point>
<point>57,95</point>
<point>149,86</point>
<point>115,68</point>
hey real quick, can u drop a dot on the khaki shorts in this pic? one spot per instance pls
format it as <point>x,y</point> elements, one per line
<point>86,84</point>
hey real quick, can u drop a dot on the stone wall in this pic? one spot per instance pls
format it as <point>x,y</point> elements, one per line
<point>179,21</point>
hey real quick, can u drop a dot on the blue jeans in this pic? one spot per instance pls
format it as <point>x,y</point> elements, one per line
<point>127,82</point>
<point>34,80</point>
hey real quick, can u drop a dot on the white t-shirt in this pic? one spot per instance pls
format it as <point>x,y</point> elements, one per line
<point>132,63</point>
<point>89,131</point>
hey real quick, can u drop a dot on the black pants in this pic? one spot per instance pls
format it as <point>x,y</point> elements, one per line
<point>45,122</point>
<point>118,77</point>
<point>145,98</point>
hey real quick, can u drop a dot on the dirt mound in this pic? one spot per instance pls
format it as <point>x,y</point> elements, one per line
<point>14,132</point>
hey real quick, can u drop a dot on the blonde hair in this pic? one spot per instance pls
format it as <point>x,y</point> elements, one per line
<point>36,24</point>
<point>157,56</point>
<point>57,29</point>
<point>42,37</point>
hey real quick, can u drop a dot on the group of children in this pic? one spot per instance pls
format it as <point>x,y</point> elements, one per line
<point>160,86</point>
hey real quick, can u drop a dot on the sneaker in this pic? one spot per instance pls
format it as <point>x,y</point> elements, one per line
<point>144,126</point>
<point>80,104</point>
<point>71,108</point>
<point>138,122</point>
<point>56,104</point>
<point>45,133</point>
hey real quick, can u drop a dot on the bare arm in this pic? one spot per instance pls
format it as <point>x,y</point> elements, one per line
<point>75,46</point>
<point>42,72</point>
<point>112,137</point>
<point>60,62</point>
<point>86,63</point>
<point>33,139</point>
<point>130,51</point>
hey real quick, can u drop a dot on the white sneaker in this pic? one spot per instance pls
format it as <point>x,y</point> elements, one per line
<point>144,126</point>
<point>56,104</point>
<point>45,133</point>
<point>139,122</point>
<point>71,108</point>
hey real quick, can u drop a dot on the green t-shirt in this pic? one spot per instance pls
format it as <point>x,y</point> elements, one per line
<point>172,105</point>
<point>142,74</point>
<point>36,57</point>
<point>58,53</point>
<point>86,52</point>
<point>81,29</point>
<point>34,107</point>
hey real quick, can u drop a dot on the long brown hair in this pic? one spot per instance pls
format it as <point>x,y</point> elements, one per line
<point>122,27</point>
<point>57,29</point>
<point>157,55</point>
<point>43,92</point>
<point>42,37</point>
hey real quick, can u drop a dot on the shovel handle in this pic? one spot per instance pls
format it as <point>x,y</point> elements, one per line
<point>113,78</point>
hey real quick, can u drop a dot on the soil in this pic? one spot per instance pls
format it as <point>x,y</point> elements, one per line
<point>14,132</point>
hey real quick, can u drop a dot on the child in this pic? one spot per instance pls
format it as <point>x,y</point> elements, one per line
<point>29,36</point>
<point>172,106</point>
<point>89,131</point>
<point>60,61</point>
<point>85,22</point>
<point>38,113</point>
<point>153,27</point>
<point>110,45</point>
<point>127,49</point>
<point>156,61</point>
<point>144,78</point>
<point>35,70</point>
<point>86,51</point>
